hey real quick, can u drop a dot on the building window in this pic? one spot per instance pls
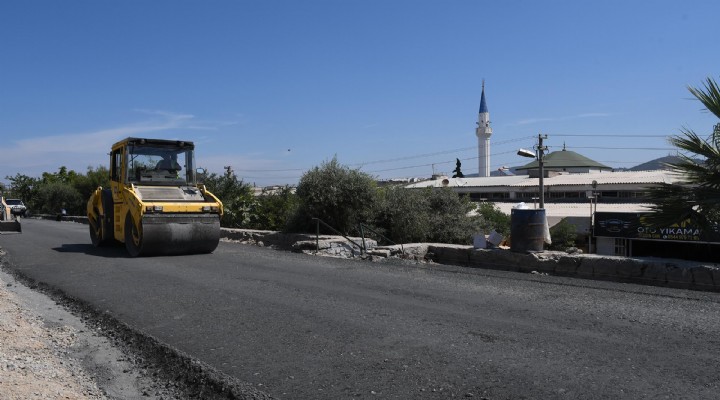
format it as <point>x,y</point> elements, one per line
<point>499,195</point>
<point>526,195</point>
<point>609,194</point>
<point>620,247</point>
<point>565,195</point>
<point>116,167</point>
<point>477,197</point>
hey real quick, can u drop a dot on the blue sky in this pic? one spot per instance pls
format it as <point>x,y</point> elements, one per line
<point>273,87</point>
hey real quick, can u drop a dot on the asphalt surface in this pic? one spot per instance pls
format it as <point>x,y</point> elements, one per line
<point>299,326</point>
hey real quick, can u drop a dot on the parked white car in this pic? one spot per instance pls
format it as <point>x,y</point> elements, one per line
<point>17,207</point>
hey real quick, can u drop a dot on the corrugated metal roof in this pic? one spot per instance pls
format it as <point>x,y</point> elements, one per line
<point>605,178</point>
<point>578,209</point>
<point>488,181</point>
<point>584,179</point>
<point>565,159</point>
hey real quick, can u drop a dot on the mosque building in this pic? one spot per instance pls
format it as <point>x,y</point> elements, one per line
<point>578,189</point>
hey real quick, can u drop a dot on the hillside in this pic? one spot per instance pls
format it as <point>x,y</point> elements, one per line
<point>658,163</point>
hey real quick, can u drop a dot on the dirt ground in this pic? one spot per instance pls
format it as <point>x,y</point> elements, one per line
<point>48,353</point>
<point>32,355</point>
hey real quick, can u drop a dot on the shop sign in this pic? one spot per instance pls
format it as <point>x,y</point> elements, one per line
<point>631,226</point>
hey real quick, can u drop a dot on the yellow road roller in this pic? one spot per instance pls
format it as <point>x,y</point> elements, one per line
<point>8,219</point>
<point>154,204</point>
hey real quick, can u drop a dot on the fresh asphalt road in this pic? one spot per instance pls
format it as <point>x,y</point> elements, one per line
<point>300,326</point>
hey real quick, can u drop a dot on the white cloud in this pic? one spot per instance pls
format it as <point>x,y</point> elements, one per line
<point>77,151</point>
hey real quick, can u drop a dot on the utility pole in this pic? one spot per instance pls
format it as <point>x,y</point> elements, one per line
<point>540,156</point>
<point>541,161</point>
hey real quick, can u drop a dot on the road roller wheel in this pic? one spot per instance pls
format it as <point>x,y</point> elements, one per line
<point>96,231</point>
<point>133,237</point>
<point>100,233</point>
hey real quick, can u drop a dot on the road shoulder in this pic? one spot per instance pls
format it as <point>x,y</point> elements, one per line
<point>47,352</point>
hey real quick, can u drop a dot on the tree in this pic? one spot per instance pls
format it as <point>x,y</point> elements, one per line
<point>696,198</point>
<point>23,187</point>
<point>433,215</point>
<point>402,214</point>
<point>236,196</point>
<point>340,196</point>
<point>62,176</point>
<point>86,184</point>
<point>491,218</point>
<point>52,197</point>
<point>563,235</point>
<point>273,209</point>
<point>449,217</point>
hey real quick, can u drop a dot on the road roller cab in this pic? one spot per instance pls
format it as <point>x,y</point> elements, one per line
<point>154,204</point>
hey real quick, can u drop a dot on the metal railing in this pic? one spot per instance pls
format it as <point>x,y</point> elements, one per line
<point>362,228</point>
<point>318,221</point>
<point>362,234</point>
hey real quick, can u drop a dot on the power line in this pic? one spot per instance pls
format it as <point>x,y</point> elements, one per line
<point>361,164</point>
<point>436,163</point>
<point>444,152</point>
<point>622,148</point>
<point>595,135</point>
<point>245,177</point>
<point>438,152</point>
<point>273,170</point>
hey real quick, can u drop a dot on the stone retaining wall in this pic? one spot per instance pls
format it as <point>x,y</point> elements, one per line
<point>650,271</point>
<point>645,270</point>
<point>300,242</point>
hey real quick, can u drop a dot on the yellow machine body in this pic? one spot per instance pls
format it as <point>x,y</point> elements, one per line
<point>8,221</point>
<point>154,205</point>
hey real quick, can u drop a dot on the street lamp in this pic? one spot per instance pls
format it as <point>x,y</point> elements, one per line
<point>526,153</point>
<point>540,155</point>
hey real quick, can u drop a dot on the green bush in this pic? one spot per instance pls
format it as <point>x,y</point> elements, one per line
<point>491,218</point>
<point>563,235</point>
<point>57,190</point>
<point>450,221</point>
<point>53,197</point>
<point>340,196</point>
<point>425,215</point>
<point>86,184</point>
<point>236,196</point>
<point>401,214</point>
<point>273,209</point>
<point>25,188</point>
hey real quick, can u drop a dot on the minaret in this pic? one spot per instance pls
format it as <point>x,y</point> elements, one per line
<point>483,133</point>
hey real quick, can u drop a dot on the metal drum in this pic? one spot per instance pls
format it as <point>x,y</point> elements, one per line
<point>527,230</point>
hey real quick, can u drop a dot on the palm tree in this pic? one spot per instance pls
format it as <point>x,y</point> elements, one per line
<point>697,196</point>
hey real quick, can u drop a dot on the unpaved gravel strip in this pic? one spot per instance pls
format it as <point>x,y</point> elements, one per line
<point>33,356</point>
<point>46,352</point>
<point>52,347</point>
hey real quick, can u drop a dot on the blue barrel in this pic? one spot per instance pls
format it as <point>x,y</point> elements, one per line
<point>527,230</point>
